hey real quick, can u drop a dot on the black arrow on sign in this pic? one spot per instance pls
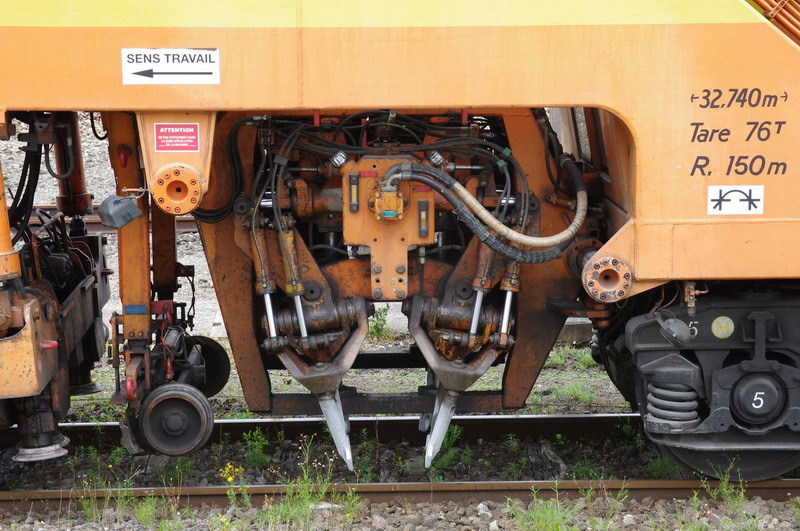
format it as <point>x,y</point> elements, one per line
<point>150,73</point>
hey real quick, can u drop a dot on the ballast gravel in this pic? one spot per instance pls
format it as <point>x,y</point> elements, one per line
<point>593,513</point>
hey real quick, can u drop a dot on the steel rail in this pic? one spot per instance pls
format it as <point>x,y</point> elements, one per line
<point>386,428</point>
<point>499,491</point>
<point>381,429</point>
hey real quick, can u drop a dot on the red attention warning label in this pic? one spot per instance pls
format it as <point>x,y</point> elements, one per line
<point>177,137</point>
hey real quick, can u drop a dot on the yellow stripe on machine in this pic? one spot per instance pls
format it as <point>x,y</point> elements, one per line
<point>369,13</point>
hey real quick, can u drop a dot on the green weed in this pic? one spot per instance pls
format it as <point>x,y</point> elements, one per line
<point>576,391</point>
<point>303,493</point>
<point>170,514</point>
<point>794,503</point>
<point>632,433</point>
<point>364,460</point>
<point>117,455</point>
<point>587,468</point>
<point>447,455</point>
<point>583,356</point>
<point>255,441</point>
<point>466,456</point>
<point>146,511</point>
<point>238,415</point>
<point>511,442</point>
<point>351,502</point>
<point>691,519</point>
<point>731,497</point>
<point>93,507</point>
<point>172,472</point>
<point>545,514</point>
<point>557,358</point>
<point>662,468</point>
<point>602,503</point>
<point>378,325</point>
<point>515,470</point>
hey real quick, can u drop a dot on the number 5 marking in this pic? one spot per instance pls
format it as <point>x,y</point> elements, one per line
<point>758,402</point>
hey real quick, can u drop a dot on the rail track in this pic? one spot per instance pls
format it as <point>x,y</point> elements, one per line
<point>384,429</point>
<point>428,492</point>
<point>381,429</point>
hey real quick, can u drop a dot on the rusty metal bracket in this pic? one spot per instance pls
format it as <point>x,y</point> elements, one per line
<point>454,376</point>
<point>578,309</point>
<point>323,379</point>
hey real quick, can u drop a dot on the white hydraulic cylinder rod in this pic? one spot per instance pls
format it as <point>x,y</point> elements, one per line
<point>301,320</point>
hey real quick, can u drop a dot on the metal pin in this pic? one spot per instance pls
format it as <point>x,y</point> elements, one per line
<point>301,320</point>
<point>506,312</point>
<point>273,331</point>
<point>476,313</point>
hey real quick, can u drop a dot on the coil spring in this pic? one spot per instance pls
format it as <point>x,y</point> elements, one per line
<point>672,403</point>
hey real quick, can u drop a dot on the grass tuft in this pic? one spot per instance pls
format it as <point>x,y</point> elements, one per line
<point>379,329</point>
<point>541,513</point>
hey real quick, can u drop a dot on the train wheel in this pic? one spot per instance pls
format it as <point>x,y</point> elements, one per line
<point>176,419</point>
<point>217,362</point>
<point>745,465</point>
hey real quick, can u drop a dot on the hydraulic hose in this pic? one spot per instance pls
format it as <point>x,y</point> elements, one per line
<point>216,215</point>
<point>70,158</point>
<point>406,169</point>
<point>480,230</point>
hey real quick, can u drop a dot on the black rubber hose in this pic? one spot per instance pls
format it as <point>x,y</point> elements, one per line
<point>20,216</point>
<point>94,128</point>
<point>67,148</point>
<point>216,215</point>
<point>564,161</point>
<point>482,232</point>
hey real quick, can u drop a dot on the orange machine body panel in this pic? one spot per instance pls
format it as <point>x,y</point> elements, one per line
<point>689,81</point>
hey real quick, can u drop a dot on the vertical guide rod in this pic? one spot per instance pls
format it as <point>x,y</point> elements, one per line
<point>506,312</point>
<point>301,320</point>
<point>476,313</point>
<point>273,331</point>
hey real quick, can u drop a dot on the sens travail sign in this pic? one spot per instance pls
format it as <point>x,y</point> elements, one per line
<point>170,66</point>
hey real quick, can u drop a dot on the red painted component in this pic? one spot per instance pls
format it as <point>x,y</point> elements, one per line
<point>49,344</point>
<point>368,173</point>
<point>316,117</point>
<point>464,117</point>
<point>170,372</point>
<point>421,188</point>
<point>165,308</point>
<point>130,389</point>
<point>123,152</point>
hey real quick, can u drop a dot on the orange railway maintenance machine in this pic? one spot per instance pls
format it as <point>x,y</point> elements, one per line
<point>491,167</point>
